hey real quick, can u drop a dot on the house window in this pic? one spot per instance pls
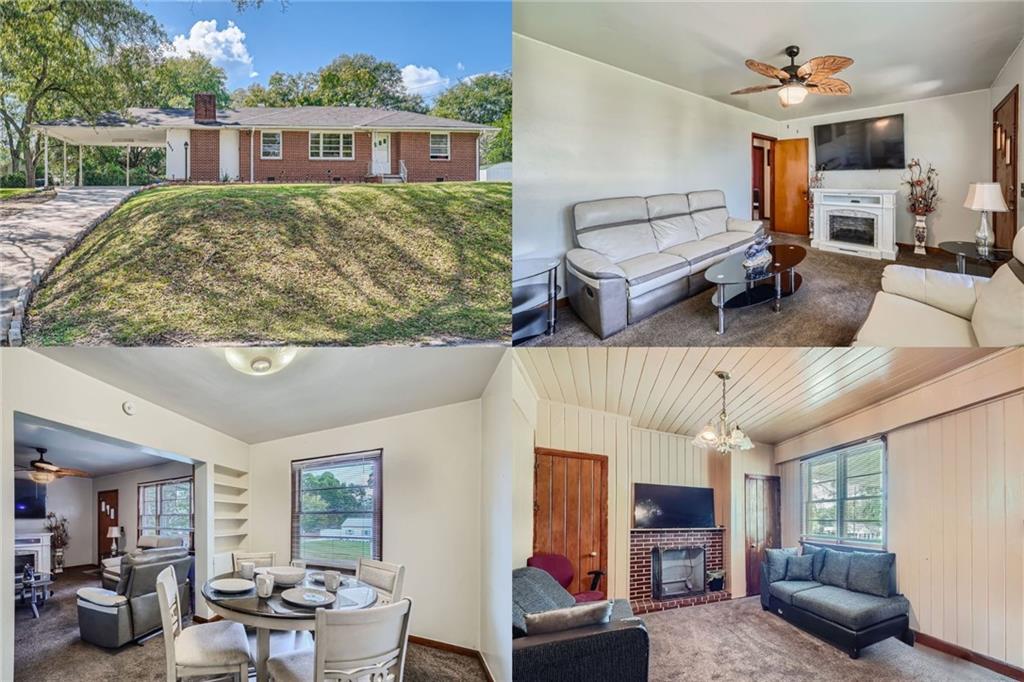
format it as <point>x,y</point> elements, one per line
<point>844,494</point>
<point>440,146</point>
<point>336,509</point>
<point>332,146</point>
<point>166,508</point>
<point>270,144</point>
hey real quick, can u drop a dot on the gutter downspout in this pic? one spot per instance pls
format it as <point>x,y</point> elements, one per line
<point>252,160</point>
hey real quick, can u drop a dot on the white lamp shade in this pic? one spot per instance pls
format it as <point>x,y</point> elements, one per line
<point>113,532</point>
<point>985,196</point>
<point>791,94</point>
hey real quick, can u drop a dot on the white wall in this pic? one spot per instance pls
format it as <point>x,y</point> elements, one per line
<point>126,484</point>
<point>229,154</point>
<point>586,130</point>
<point>71,498</point>
<point>176,140</point>
<point>523,419</point>
<point>431,507</point>
<point>951,133</point>
<point>1010,75</point>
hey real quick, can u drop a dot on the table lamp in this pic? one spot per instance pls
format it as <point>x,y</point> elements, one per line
<point>985,197</point>
<point>114,533</point>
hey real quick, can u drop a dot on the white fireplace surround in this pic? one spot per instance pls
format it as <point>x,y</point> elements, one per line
<point>37,544</point>
<point>879,204</point>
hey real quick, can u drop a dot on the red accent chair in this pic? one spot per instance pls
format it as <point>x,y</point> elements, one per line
<point>560,568</point>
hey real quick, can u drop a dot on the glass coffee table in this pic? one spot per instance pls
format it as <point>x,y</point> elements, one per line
<point>738,288</point>
<point>36,591</point>
<point>963,250</point>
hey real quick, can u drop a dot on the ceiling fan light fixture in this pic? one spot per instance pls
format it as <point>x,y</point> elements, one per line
<point>42,476</point>
<point>259,361</point>
<point>792,93</point>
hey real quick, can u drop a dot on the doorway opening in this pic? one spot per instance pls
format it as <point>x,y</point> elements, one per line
<point>762,178</point>
<point>762,501</point>
<point>1004,165</point>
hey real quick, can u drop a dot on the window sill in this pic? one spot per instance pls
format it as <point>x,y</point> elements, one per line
<point>442,160</point>
<point>851,545</point>
<point>333,158</point>
<point>270,158</point>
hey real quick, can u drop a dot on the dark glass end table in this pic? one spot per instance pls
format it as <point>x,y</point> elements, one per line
<point>534,297</point>
<point>739,287</point>
<point>963,250</point>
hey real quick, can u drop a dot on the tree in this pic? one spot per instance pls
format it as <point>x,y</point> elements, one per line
<point>282,90</point>
<point>176,80</point>
<point>323,492</point>
<point>485,99</point>
<point>61,56</point>
<point>362,80</point>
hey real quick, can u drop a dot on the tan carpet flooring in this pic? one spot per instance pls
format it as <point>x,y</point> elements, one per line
<point>829,308</point>
<point>49,648</point>
<point>737,640</point>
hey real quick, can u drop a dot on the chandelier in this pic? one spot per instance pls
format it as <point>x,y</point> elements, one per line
<point>719,436</point>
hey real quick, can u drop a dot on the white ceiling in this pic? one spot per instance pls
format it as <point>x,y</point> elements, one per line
<point>902,50</point>
<point>76,449</point>
<point>774,393</point>
<point>323,387</point>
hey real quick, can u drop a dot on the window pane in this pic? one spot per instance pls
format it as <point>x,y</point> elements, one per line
<point>824,470</point>
<point>863,531</point>
<point>347,144</point>
<point>869,485</point>
<point>148,508</point>
<point>270,144</point>
<point>823,491</point>
<point>864,463</point>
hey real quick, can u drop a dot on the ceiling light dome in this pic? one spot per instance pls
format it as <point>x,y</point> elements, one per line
<point>260,361</point>
<point>792,93</point>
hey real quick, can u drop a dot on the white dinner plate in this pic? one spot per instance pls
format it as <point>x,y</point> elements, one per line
<point>232,585</point>
<point>309,597</point>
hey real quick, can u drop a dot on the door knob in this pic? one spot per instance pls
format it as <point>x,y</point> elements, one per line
<point>753,547</point>
<point>592,554</point>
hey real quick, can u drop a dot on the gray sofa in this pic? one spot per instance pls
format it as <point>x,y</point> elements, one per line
<point>849,599</point>
<point>112,618</point>
<point>615,650</point>
<point>112,566</point>
<point>636,255</point>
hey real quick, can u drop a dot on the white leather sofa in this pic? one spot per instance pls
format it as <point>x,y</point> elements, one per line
<point>637,255</point>
<point>919,307</point>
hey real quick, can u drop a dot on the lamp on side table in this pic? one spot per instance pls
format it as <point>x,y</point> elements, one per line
<point>985,197</point>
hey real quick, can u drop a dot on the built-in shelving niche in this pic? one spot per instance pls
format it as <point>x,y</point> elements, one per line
<point>230,509</point>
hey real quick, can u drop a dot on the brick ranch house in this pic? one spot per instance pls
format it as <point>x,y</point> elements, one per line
<point>286,144</point>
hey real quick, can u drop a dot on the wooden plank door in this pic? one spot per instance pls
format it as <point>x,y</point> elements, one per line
<point>107,515</point>
<point>570,511</point>
<point>1004,165</point>
<point>764,524</point>
<point>757,195</point>
<point>789,205</point>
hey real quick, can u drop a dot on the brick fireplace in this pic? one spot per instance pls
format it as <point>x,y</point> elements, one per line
<point>642,542</point>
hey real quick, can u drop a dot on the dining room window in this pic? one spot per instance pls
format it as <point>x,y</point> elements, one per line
<point>166,508</point>
<point>336,509</point>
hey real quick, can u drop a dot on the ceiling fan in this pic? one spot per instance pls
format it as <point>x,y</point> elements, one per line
<point>795,82</point>
<point>42,471</point>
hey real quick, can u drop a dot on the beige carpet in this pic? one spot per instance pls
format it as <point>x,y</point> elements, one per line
<point>828,309</point>
<point>737,640</point>
<point>48,649</point>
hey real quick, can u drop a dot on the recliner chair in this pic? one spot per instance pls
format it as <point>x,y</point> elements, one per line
<point>112,567</point>
<point>113,618</point>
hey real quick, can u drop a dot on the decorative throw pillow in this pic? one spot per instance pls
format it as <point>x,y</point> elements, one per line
<point>835,568</point>
<point>869,573</point>
<point>800,567</point>
<point>592,613</point>
<point>819,559</point>
<point>777,562</point>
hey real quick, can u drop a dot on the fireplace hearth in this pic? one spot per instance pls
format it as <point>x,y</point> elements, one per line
<point>677,572</point>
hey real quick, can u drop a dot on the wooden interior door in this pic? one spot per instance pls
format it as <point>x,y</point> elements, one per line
<point>1004,165</point>
<point>107,515</point>
<point>790,208</point>
<point>757,195</point>
<point>570,511</point>
<point>764,524</point>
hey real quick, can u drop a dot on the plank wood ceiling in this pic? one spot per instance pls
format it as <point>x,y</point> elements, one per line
<point>774,394</point>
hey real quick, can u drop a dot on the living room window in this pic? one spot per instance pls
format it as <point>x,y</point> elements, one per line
<point>844,494</point>
<point>331,146</point>
<point>166,508</point>
<point>270,144</point>
<point>440,146</point>
<point>336,509</point>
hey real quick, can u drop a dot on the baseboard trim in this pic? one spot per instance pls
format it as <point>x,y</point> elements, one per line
<point>1011,671</point>
<point>455,649</point>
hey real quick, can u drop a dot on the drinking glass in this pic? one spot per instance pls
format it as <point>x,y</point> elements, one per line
<point>247,569</point>
<point>332,580</point>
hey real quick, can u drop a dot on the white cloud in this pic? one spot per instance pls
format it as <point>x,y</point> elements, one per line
<point>423,80</point>
<point>224,48</point>
<point>472,77</point>
<point>460,66</point>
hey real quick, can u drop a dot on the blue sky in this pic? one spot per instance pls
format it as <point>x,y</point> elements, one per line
<point>435,43</point>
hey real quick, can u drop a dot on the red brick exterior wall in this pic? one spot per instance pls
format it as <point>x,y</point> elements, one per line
<point>204,107</point>
<point>204,155</point>
<point>641,542</point>
<point>295,164</point>
<point>415,151</point>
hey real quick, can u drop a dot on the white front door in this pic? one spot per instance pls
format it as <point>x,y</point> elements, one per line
<point>382,153</point>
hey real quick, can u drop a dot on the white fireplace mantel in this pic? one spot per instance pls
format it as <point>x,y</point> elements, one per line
<point>37,544</point>
<point>878,204</point>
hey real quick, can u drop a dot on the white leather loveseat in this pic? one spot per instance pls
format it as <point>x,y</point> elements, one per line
<point>637,255</point>
<point>919,307</point>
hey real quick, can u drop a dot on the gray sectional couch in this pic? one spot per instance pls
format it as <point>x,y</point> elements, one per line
<point>637,255</point>
<point>845,597</point>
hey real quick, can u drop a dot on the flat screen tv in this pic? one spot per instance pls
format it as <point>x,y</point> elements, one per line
<point>672,506</point>
<point>867,144</point>
<point>29,499</point>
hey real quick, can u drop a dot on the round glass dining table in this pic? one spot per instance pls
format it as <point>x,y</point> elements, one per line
<point>274,613</point>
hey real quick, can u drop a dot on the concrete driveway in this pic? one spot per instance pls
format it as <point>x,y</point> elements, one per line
<point>31,238</point>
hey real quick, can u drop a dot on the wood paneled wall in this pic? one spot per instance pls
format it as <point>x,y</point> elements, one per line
<point>667,458</point>
<point>579,429</point>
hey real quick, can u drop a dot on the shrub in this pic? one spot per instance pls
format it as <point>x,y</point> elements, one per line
<point>13,180</point>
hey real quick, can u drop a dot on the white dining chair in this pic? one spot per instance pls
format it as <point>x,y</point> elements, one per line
<point>386,578</point>
<point>261,559</point>
<point>351,646</point>
<point>204,649</point>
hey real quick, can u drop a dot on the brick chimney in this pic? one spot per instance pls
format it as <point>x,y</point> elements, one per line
<point>205,107</point>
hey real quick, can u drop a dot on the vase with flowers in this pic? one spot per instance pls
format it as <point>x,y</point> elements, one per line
<point>57,527</point>
<point>922,199</point>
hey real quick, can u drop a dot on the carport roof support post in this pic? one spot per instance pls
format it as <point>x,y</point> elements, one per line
<point>128,167</point>
<point>46,162</point>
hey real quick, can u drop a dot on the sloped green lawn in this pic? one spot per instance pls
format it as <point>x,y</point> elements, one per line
<point>302,264</point>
